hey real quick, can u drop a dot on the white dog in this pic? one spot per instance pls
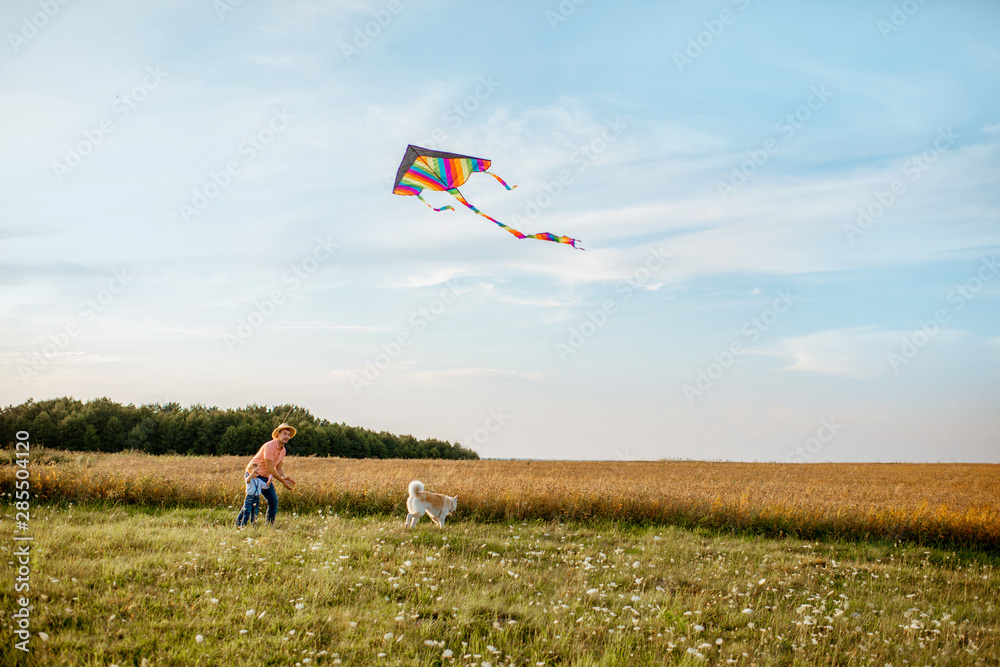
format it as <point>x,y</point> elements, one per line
<point>436,505</point>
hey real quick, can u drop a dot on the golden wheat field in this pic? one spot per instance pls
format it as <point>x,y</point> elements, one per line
<point>956,504</point>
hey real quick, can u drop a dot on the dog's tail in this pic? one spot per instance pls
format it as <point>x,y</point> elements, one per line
<point>415,488</point>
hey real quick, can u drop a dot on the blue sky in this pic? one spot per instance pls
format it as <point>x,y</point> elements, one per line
<point>790,213</point>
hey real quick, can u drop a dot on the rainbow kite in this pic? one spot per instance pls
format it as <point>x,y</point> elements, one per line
<point>422,168</point>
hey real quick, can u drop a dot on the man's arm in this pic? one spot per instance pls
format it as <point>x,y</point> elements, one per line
<point>276,472</point>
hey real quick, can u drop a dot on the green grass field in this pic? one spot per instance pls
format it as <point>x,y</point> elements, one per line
<point>134,586</point>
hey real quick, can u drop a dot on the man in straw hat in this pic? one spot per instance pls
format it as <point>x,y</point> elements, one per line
<point>268,460</point>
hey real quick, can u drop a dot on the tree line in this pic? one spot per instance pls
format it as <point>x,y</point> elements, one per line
<point>102,425</point>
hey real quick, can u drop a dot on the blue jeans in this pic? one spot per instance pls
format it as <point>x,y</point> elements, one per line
<point>271,496</point>
<point>251,505</point>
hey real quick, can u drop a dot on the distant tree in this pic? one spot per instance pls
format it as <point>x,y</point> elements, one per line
<point>42,429</point>
<point>112,437</point>
<point>103,425</point>
<point>91,439</point>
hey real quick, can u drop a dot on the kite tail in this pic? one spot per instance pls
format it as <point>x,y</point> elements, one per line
<point>443,208</point>
<point>541,236</point>
<point>502,182</point>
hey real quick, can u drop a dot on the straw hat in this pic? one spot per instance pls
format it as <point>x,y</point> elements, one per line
<point>274,433</point>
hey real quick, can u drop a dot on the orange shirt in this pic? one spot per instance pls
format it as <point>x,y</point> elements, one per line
<point>271,449</point>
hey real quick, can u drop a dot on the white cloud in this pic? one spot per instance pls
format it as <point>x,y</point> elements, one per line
<point>466,374</point>
<point>854,353</point>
